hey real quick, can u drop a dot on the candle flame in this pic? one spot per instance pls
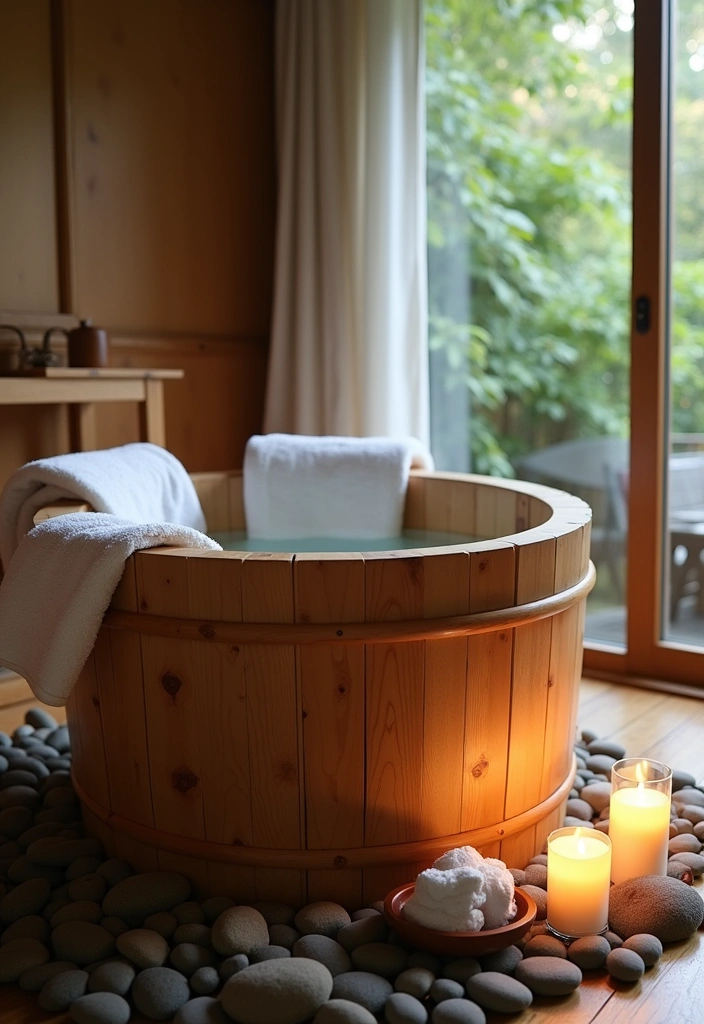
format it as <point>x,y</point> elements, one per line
<point>642,771</point>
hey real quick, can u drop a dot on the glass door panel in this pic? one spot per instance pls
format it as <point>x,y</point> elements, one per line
<point>529,248</point>
<point>683,523</point>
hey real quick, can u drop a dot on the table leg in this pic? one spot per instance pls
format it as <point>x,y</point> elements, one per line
<point>83,427</point>
<point>151,414</point>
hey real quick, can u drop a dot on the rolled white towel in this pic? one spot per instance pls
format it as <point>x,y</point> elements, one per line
<point>297,486</point>
<point>448,900</point>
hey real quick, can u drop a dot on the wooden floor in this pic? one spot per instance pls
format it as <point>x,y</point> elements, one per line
<point>668,728</point>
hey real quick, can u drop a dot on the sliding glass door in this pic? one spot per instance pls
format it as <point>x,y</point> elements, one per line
<point>566,273</point>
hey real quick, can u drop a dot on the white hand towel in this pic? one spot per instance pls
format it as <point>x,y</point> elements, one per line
<point>298,486</point>
<point>58,587</point>
<point>140,482</point>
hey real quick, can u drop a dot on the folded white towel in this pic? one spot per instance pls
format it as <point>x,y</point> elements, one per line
<point>298,486</point>
<point>58,586</point>
<point>140,482</point>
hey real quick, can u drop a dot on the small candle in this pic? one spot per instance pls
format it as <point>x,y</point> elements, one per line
<point>639,818</point>
<point>579,870</point>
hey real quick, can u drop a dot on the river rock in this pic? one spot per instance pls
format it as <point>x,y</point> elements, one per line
<point>380,958</point>
<point>38,718</point>
<point>458,1011</point>
<point>204,981</point>
<point>597,795</point>
<point>342,1011</point>
<point>549,975</point>
<point>83,910</point>
<point>202,1010</point>
<point>656,904</point>
<point>188,958</point>
<point>233,965</point>
<point>321,918</point>
<point>36,977</point>
<point>163,922</point>
<point>415,981</point>
<point>402,1008</point>
<point>601,764</point>
<point>690,796</point>
<point>158,992</point>
<point>608,747</point>
<point>445,988</point>
<point>694,861</point>
<point>326,951</point>
<point>682,826</point>
<point>504,961</point>
<point>625,964</point>
<point>519,876</point>
<point>83,866</point>
<point>20,955</point>
<point>101,1008</point>
<point>678,869</point>
<point>684,844</point>
<point>138,896</point>
<point>213,907</point>
<point>56,852</point>
<point>82,942</point>
<point>88,887</point>
<point>114,871</point>
<point>189,912</point>
<point>114,925</point>
<point>648,948</point>
<point>27,898</point>
<point>537,875</point>
<point>62,990</point>
<point>541,900</point>
<point>143,947</point>
<point>429,961</point>
<point>285,991</point>
<point>499,992</point>
<point>200,934</point>
<point>461,969</point>
<point>369,990</point>
<point>14,821</point>
<point>589,953</point>
<point>577,809</point>
<point>113,976</point>
<point>284,935</point>
<point>545,945</point>
<point>359,933</point>
<point>239,930</point>
<point>31,927</point>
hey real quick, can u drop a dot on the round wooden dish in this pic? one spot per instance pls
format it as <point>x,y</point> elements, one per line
<point>457,943</point>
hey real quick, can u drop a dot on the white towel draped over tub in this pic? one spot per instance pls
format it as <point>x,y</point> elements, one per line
<point>298,486</point>
<point>140,482</point>
<point>58,587</point>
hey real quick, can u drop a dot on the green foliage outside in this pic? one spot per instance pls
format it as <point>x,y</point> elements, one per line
<point>529,152</point>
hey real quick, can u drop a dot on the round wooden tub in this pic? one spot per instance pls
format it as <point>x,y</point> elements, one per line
<point>323,726</point>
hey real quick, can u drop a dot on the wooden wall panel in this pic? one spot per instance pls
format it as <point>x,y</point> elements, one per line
<point>28,254</point>
<point>172,138</point>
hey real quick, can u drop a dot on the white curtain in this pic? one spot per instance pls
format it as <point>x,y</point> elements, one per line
<point>349,334</point>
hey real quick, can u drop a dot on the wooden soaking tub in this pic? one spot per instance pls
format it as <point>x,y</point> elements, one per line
<point>323,726</point>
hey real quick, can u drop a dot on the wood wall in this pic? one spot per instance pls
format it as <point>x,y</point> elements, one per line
<point>137,187</point>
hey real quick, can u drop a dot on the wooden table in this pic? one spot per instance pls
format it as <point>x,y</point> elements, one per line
<point>81,389</point>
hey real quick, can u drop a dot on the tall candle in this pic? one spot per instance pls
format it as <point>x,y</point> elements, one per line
<point>639,818</point>
<point>579,870</point>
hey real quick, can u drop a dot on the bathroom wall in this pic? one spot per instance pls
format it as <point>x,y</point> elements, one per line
<point>137,187</point>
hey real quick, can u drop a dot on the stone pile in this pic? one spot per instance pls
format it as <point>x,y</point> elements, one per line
<point>90,936</point>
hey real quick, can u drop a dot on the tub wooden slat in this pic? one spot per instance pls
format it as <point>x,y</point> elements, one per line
<point>489,661</point>
<point>172,689</point>
<point>414,510</point>
<point>331,680</point>
<point>445,592</point>
<point>394,692</point>
<point>215,592</point>
<point>84,707</point>
<point>273,717</point>
<point>496,512</point>
<point>562,680</point>
<point>237,517</point>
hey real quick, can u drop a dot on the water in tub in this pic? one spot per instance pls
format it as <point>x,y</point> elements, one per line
<point>237,540</point>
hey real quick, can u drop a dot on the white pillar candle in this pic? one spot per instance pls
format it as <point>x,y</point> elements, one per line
<point>579,871</point>
<point>639,818</point>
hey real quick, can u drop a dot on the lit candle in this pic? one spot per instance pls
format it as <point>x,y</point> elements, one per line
<point>579,870</point>
<point>639,818</point>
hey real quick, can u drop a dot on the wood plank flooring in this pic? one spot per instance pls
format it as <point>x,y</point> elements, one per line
<point>651,724</point>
